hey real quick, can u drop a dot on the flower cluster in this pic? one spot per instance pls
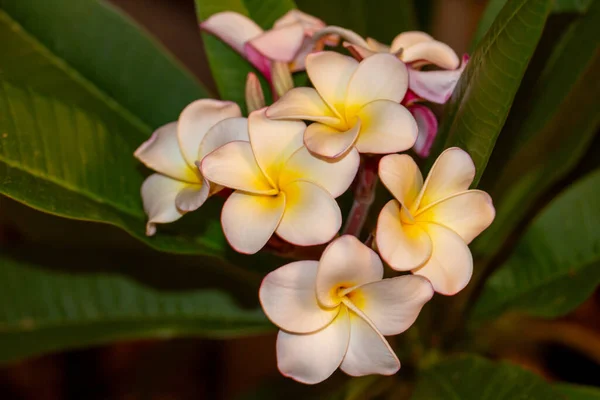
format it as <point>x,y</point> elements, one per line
<point>283,177</point>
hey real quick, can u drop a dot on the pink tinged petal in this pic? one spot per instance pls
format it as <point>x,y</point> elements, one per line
<point>330,74</point>
<point>273,142</point>
<point>312,358</point>
<point>386,127</point>
<point>368,351</point>
<point>467,214</point>
<point>311,217</point>
<point>195,121</point>
<point>435,86</point>
<point>158,195</point>
<point>402,177</point>
<point>329,142</point>
<point>249,220</point>
<point>335,176</point>
<point>233,166</point>
<point>394,304</point>
<point>232,28</point>
<point>161,153</point>
<point>227,131</point>
<point>427,126</point>
<point>359,50</point>
<point>345,263</point>
<point>259,60</point>
<point>308,21</point>
<point>402,245</point>
<point>193,196</point>
<point>409,38</point>
<point>433,52</point>
<point>378,46</point>
<point>451,173</point>
<point>450,266</point>
<point>281,44</point>
<point>380,77</point>
<point>287,296</point>
<point>302,103</point>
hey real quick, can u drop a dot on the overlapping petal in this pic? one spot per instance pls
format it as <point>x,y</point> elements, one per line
<point>158,195</point>
<point>427,127</point>
<point>233,28</point>
<point>433,52</point>
<point>223,132</point>
<point>436,86</point>
<point>402,177</point>
<point>302,103</point>
<point>330,74</point>
<point>280,44</point>
<point>192,197</point>
<point>409,38</point>
<point>330,142</point>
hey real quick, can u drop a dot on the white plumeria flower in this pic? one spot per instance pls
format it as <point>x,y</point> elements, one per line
<point>427,228</point>
<point>173,150</point>
<point>353,104</point>
<point>334,312</point>
<point>279,186</point>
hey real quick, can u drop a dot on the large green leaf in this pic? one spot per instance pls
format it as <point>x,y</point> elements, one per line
<point>471,377</point>
<point>578,392</point>
<point>556,264</point>
<point>483,97</point>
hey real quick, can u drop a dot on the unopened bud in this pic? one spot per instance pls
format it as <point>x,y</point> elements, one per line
<point>282,78</point>
<point>255,98</point>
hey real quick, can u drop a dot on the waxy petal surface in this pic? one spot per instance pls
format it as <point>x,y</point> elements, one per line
<point>435,86</point>
<point>232,28</point>
<point>330,74</point>
<point>433,52</point>
<point>427,127</point>
<point>409,38</point>
<point>329,142</point>
<point>158,195</point>
<point>282,43</point>
<point>402,177</point>
<point>192,197</point>
<point>302,103</point>
<point>228,130</point>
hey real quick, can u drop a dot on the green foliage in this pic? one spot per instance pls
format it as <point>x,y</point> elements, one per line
<point>480,104</point>
<point>578,392</point>
<point>556,264</point>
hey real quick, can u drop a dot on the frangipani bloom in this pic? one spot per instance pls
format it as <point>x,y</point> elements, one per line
<point>426,122</point>
<point>352,104</point>
<point>279,186</point>
<point>334,312</point>
<point>290,40</point>
<point>173,150</point>
<point>427,228</point>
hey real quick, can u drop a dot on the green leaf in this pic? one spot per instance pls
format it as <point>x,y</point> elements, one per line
<point>54,300</point>
<point>472,377</point>
<point>577,392</point>
<point>556,264</point>
<point>483,97</point>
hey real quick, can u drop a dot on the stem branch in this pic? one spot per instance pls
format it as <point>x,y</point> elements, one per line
<point>364,195</point>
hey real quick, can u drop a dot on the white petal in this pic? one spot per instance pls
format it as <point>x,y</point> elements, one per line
<point>386,127</point>
<point>380,77</point>
<point>226,131</point>
<point>282,43</point>
<point>158,195</point>
<point>393,304</point>
<point>249,220</point>
<point>359,50</point>
<point>329,142</point>
<point>345,263</point>
<point>335,176</point>
<point>433,52</point>
<point>308,21</point>
<point>402,245</point>
<point>302,103</point>
<point>312,358</point>
<point>193,196</point>
<point>288,298</point>
<point>311,215</point>
<point>450,266</point>
<point>451,173</point>
<point>196,119</point>
<point>161,153</point>
<point>232,28</point>
<point>467,214</point>
<point>435,86</point>
<point>409,38</point>
<point>368,351</point>
<point>234,166</point>
<point>273,142</point>
<point>330,74</point>
<point>378,46</point>
<point>427,127</point>
<point>402,177</point>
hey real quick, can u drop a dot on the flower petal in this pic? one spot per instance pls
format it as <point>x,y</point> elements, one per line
<point>226,131</point>
<point>330,74</point>
<point>467,214</point>
<point>287,296</point>
<point>302,103</point>
<point>311,215</point>
<point>393,304</point>
<point>386,127</point>
<point>451,173</point>
<point>378,46</point>
<point>273,142</point>
<point>193,196</point>
<point>312,358</point>
<point>329,142</point>
<point>282,43</point>
<point>379,77</point>
<point>427,126</point>
<point>345,263</point>
<point>359,50</point>
<point>335,176</point>
<point>433,52</point>
<point>233,166</point>
<point>435,86</point>
<point>409,38</point>
<point>402,177</point>
<point>232,28</point>
<point>450,266</point>
<point>161,153</point>
<point>196,119</point>
<point>158,195</point>
<point>249,220</point>
<point>368,351</point>
<point>402,246</point>
<point>308,21</point>
<point>258,60</point>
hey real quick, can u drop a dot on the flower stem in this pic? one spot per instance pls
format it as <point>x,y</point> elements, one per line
<point>364,195</point>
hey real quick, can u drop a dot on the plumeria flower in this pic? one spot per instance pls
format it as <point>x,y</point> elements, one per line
<point>173,150</point>
<point>290,40</point>
<point>352,105</point>
<point>279,186</point>
<point>428,226</point>
<point>426,122</point>
<point>335,312</point>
